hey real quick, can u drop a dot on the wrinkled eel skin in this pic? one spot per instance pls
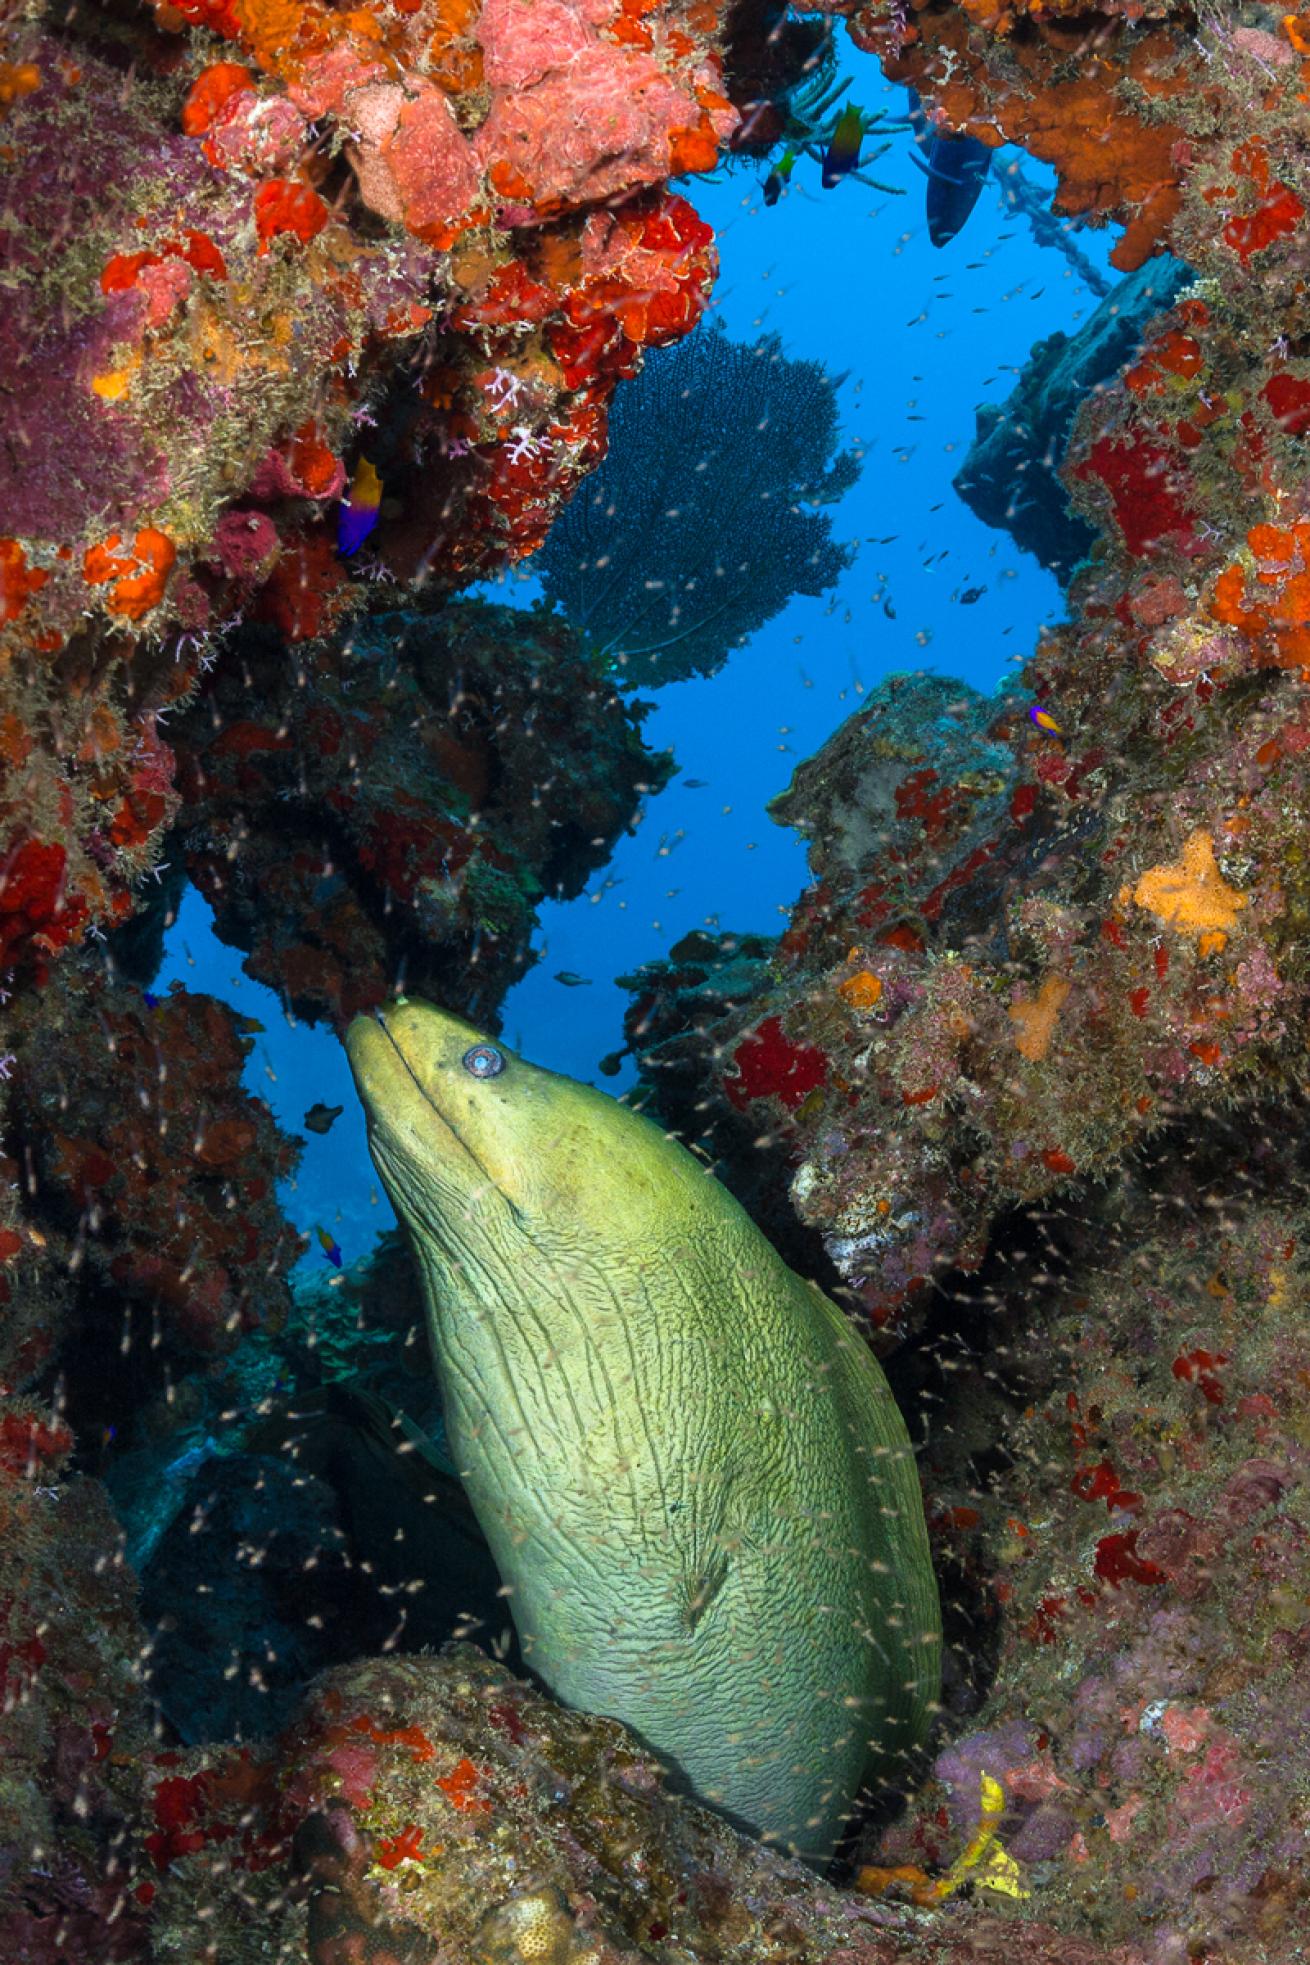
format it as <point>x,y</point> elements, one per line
<point>690,1469</point>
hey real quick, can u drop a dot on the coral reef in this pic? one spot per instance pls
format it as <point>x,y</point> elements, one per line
<point>1130,1474</point>
<point>1115,125</point>
<point>396,801</point>
<point>437,1801</point>
<point>1011,476</point>
<point>344,322</point>
<point>75,1724</point>
<point>143,1232</point>
<point>330,240</point>
<point>1042,923</point>
<point>295,1509</point>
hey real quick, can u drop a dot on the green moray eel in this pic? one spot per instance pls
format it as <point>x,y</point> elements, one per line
<point>690,1469</point>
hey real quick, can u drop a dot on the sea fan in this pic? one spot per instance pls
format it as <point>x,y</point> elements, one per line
<point>700,524</point>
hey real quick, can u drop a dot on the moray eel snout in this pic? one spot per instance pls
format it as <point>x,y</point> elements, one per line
<point>688,1465</point>
<point>445,1103</point>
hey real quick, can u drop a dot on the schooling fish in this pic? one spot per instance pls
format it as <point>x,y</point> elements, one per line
<point>358,513</point>
<point>321,1118</point>
<point>843,153</point>
<point>955,167</point>
<point>331,1249</point>
<point>694,1479</point>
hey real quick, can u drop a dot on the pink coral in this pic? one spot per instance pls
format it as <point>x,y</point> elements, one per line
<point>256,134</point>
<point>165,286</point>
<point>414,164</point>
<point>245,544</point>
<point>538,143</point>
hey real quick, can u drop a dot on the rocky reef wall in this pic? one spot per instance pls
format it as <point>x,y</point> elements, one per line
<point>314,314</point>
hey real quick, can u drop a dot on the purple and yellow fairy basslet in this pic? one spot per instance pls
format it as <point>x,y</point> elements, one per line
<point>358,513</point>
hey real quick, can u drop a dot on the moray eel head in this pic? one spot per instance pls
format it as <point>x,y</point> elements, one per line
<point>458,1122</point>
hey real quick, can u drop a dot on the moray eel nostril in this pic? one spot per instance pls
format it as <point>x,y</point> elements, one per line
<point>689,1467</point>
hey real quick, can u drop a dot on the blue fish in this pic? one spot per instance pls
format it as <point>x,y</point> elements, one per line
<point>955,167</point>
<point>843,153</point>
<point>358,513</point>
<point>331,1249</point>
<point>151,1001</point>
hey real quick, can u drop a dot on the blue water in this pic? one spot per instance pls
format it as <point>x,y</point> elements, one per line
<point>849,278</point>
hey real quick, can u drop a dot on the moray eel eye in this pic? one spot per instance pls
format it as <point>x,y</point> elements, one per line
<point>483,1061</point>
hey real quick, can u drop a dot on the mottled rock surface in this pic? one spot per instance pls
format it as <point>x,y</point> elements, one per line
<point>1123,1458</point>
<point>436,1809</point>
<point>1011,475</point>
<point>398,800</point>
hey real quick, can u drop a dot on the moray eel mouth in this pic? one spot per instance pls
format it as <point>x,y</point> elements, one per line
<point>461,1126</point>
<point>434,1113</point>
<point>436,1130</point>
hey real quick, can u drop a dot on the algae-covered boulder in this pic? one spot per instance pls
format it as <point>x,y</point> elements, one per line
<point>436,1808</point>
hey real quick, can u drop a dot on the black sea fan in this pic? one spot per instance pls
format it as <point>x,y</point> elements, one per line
<point>695,530</point>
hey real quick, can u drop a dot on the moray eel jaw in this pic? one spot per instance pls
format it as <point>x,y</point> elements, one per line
<point>535,1139</point>
<point>408,1071</point>
<point>688,1466</point>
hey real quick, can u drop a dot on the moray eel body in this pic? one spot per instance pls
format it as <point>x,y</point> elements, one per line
<point>693,1477</point>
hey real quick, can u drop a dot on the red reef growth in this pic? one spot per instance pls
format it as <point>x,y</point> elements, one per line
<point>286,207</point>
<point>145,1136</point>
<point>1148,491</point>
<point>1276,211</point>
<point>486,262</point>
<point>769,1064</point>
